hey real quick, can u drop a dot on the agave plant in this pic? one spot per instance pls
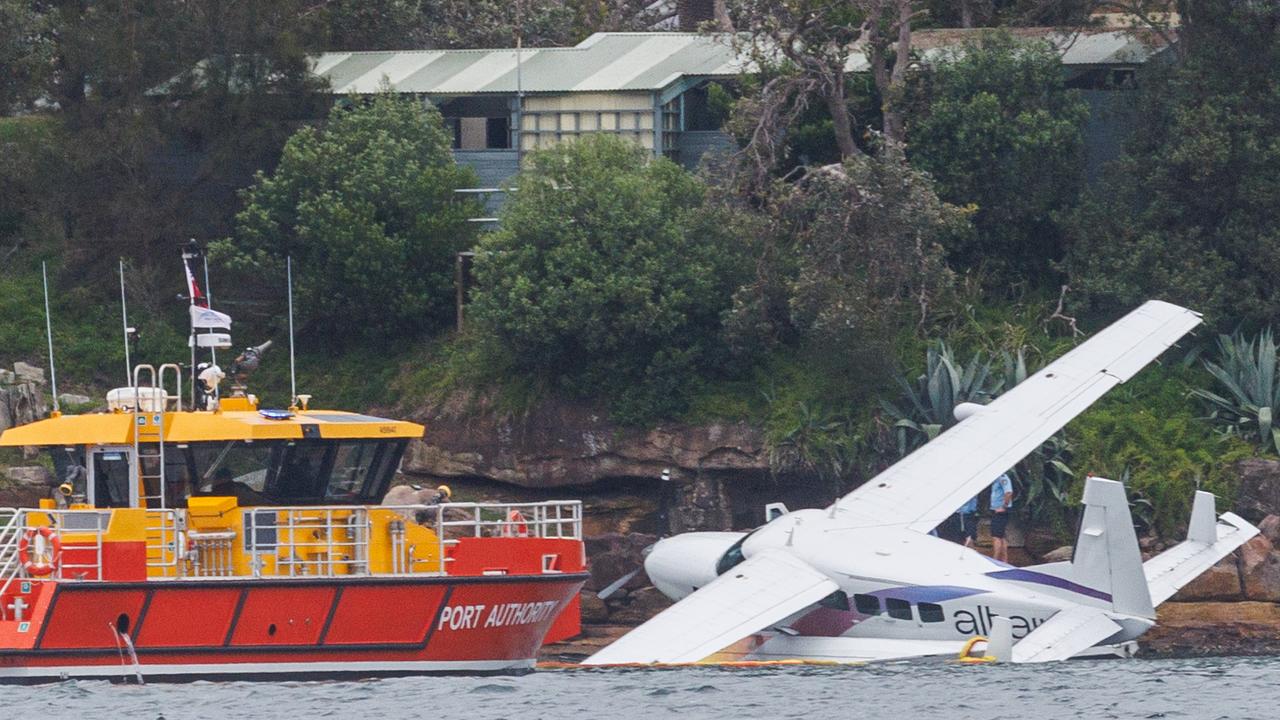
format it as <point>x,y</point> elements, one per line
<point>1043,480</point>
<point>1246,370</point>
<point>933,397</point>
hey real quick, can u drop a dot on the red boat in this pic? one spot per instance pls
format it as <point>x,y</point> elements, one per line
<point>219,540</point>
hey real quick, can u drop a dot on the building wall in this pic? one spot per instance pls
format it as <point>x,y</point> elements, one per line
<point>549,119</point>
<point>693,145</point>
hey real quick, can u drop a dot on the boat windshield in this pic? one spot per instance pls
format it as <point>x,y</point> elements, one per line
<point>296,472</point>
<point>276,472</point>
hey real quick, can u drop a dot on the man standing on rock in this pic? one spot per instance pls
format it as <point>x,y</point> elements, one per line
<point>1001,502</point>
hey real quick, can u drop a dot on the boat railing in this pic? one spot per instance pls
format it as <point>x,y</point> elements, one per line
<point>11,529</point>
<point>304,541</point>
<point>280,541</point>
<point>554,519</point>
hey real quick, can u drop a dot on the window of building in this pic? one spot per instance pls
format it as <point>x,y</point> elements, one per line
<point>931,612</point>
<point>497,133</point>
<point>867,604</point>
<point>898,609</point>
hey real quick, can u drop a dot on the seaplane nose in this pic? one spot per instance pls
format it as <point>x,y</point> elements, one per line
<point>679,565</point>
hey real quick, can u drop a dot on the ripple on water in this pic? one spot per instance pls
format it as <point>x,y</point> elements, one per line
<point>1235,688</point>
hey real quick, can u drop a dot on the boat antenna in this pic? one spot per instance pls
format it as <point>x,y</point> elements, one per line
<point>208,296</point>
<point>124,323</point>
<point>293,377</point>
<point>48,330</point>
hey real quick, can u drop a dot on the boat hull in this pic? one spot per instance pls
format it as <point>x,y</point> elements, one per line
<point>287,628</point>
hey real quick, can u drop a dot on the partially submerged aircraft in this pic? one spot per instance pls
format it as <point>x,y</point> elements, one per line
<point>864,580</point>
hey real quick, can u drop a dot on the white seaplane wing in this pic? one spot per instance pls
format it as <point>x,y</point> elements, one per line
<point>928,485</point>
<point>1209,539</point>
<point>759,592</point>
<point>1065,634</point>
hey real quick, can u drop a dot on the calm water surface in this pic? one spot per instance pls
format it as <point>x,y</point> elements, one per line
<point>1236,688</point>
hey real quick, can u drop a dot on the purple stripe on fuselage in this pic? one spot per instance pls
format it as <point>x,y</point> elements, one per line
<point>926,593</point>
<point>1039,578</point>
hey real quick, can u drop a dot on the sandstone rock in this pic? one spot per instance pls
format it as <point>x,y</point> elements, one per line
<point>28,373</point>
<point>1259,494</point>
<point>702,505</point>
<point>1270,528</point>
<point>1061,554</point>
<point>20,404</point>
<point>559,443</point>
<point>1220,582</point>
<point>34,476</point>
<point>612,512</point>
<point>74,400</point>
<point>1019,557</point>
<point>593,609</point>
<point>1254,553</point>
<point>7,377</point>
<point>640,606</point>
<point>1260,570</point>
<point>613,555</point>
<point>1234,628</point>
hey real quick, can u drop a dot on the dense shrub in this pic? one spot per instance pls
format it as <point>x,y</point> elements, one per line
<point>850,256</point>
<point>366,207</point>
<point>1188,213</point>
<point>994,125</point>
<point>608,276</point>
<point>1147,433</point>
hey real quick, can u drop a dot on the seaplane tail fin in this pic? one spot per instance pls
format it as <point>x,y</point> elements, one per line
<point>764,590</point>
<point>1107,564</point>
<point>1107,555</point>
<point>1065,634</point>
<point>1209,539</point>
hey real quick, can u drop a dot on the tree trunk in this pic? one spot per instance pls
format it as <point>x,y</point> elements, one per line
<point>966,13</point>
<point>841,123</point>
<point>890,81</point>
<point>721,11</point>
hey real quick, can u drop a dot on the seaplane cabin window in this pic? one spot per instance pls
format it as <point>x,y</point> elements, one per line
<point>898,609</point>
<point>931,612</point>
<point>866,604</point>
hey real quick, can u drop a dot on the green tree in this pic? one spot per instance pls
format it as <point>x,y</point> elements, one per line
<point>852,255</point>
<point>1188,213</point>
<point>366,207</point>
<point>608,276</point>
<point>24,53</point>
<point>994,125</point>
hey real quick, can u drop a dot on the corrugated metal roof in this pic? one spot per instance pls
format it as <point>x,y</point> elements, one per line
<point>610,62</point>
<point>621,62</point>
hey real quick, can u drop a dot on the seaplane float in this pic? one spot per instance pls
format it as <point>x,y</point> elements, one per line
<point>864,579</point>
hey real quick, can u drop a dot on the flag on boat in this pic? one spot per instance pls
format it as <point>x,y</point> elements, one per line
<point>209,319</point>
<point>193,288</point>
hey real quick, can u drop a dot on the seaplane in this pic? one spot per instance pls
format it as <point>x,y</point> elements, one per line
<point>864,580</point>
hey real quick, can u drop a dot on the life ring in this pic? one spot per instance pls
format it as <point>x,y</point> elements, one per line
<point>516,525</point>
<point>967,659</point>
<point>40,569</point>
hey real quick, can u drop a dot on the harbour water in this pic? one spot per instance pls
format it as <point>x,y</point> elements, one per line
<point>1235,688</point>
